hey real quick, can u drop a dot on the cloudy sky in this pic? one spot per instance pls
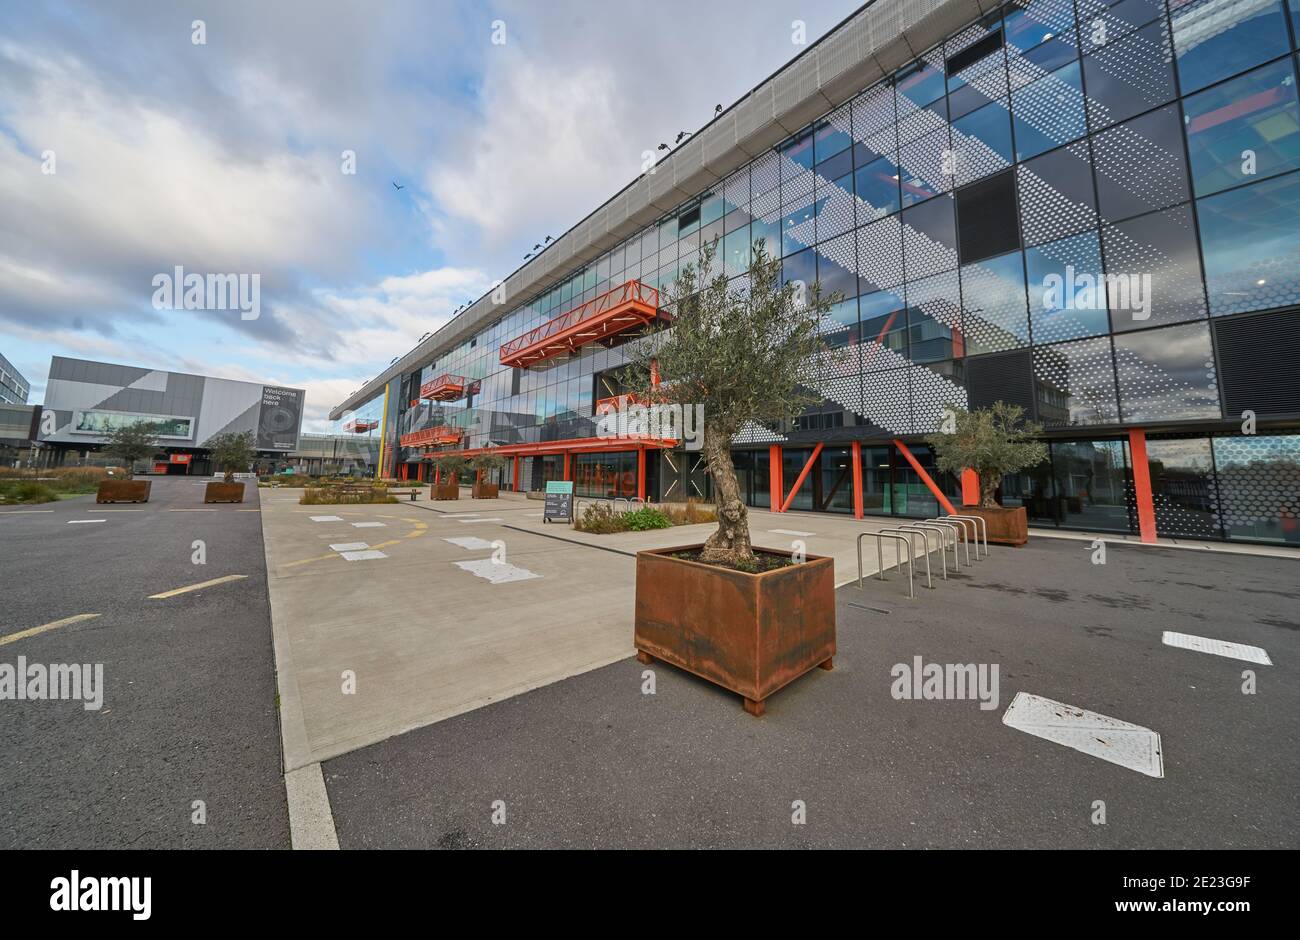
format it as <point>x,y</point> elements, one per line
<point>227,157</point>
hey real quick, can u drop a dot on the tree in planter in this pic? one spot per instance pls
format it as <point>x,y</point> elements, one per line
<point>746,355</point>
<point>483,464</point>
<point>232,452</point>
<point>451,466</point>
<point>132,442</point>
<point>991,441</point>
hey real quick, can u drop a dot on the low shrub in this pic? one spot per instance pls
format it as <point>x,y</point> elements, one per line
<point>600,519</point>
<point>646,518</point>
<point>335,496</point>
<point>25,491</point>
<point>690,512</point>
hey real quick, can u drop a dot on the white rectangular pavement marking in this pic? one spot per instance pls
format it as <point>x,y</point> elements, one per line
<point>470,542</point>
<point>490,519</point>
<point>84,521</point>
<point>1112,740</point>
<point>349,547</point>
<point>789,532</point>
<point>497,574</point>
<point>368,555</point>
<point>369,525</point>
<point>1203,644</point>
<point>326,518</point>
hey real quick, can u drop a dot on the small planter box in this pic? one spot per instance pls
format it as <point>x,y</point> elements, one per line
<point>123,491</point>
<point>484,491</point>
<point>1006,526</point>
<point>446,491</point>
<point>224,493</point>
<point>750,633</point>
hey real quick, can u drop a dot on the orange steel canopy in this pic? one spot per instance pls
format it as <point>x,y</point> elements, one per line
<point>442,434</point>
<point>627,307</point>
<point>446,387</point>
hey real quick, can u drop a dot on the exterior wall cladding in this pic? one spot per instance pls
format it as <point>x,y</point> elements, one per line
<point>1050,137</point>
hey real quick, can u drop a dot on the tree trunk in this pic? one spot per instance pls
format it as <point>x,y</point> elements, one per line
<point>730,543</point>
<point>989,483</point>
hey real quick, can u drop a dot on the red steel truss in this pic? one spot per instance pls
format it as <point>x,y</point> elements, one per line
<point>446,387</point>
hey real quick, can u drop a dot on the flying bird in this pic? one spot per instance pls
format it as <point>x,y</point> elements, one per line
<point>398,188</point>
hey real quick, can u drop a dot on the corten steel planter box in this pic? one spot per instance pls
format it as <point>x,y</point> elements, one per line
<point>750,633</point>
<point>484,491</point>
<point>224,493</point>
<point>123,491</point>
<point>1006,526</point>
<point>446,491</point>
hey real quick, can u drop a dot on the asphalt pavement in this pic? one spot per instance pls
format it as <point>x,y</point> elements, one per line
<point>185,750</point>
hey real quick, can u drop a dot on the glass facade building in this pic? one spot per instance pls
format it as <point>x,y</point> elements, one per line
<point>1089,209</point>
<point>14,389</point>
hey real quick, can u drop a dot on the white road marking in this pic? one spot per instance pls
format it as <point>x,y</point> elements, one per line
<point>369,555</point>
<point>349,547</point>
<point>497,574</point>
<point>460,515</point>
<point>789,532</point>
<point>1118,742</point>
<point>490,519</point>
<point>470,542</point>
<point>28,512</point>
<point>369,525</point>
<point>326,518</point>
<point>1203,644</point>
<point>84,521</point>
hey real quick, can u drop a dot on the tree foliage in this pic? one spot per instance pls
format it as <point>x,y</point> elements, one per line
<point>132,442</point>
<point>745,350</point>
<point>991,441</point>
<point>451,466</point>
<point>233,453</point>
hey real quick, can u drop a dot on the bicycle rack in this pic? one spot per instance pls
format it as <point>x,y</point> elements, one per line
<point>981,527</point>
<point>966,535</point>
<point>941,538</point>
<point>880,558</point>
<point>956,533</point>
<point>929,581</point>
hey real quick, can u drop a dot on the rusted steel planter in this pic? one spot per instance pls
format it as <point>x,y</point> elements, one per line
<point>446,491</point>
<point>224,493</point>
<point>484,491</point>
<point>750,633</point>
<point>1006,526</point>
<point>123,491</point>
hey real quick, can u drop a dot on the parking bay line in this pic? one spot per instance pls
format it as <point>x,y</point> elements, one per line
<point>1205,644</point>
<point>22,634</point>
<point>194,587</point>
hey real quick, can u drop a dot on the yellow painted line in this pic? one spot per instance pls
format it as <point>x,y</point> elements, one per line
<point>195,587</point>
<point>306,561</point>
<point>49,626</point>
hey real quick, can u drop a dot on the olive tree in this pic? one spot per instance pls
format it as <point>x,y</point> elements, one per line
<point>991,441</point>
<point>747,350</point>
<point>132,442</point>
<point>233,452</point>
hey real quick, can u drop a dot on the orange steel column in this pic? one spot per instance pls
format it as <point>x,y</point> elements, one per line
<point>640,473</point>
<point>1137,445</point>
<point>857,479</point>
<point>437,476</point>
<point>970,488</point>
<point>775,488</point>
<point>568,458</point>
<point>925,477</point>
<point>803,475</point>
